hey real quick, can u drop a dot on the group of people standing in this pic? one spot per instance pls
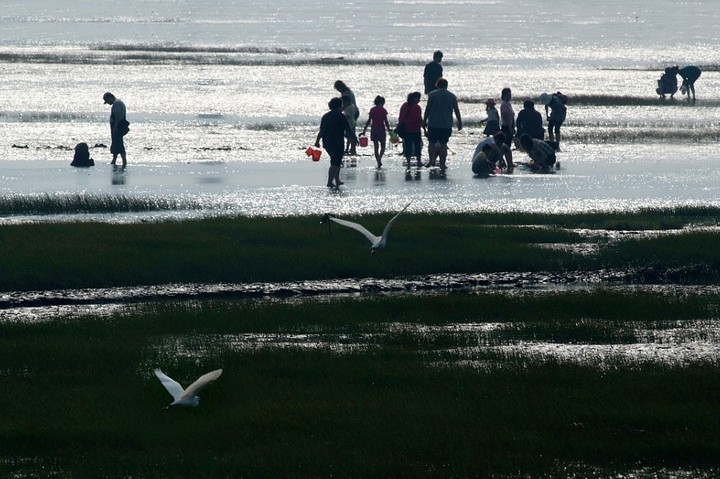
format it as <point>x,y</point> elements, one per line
<point>502,128</point>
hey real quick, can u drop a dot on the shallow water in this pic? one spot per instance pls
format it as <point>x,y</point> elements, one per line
<point>224,100</point>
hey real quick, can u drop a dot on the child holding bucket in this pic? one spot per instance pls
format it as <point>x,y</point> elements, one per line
<point>377,117</point>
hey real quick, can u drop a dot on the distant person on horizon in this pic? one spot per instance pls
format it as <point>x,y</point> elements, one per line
<point>433,72</point>
<point>333,128</point>
<point>667,84</point>
<point>118,127</point>
<point>438,120</point>
<point>689,75</point>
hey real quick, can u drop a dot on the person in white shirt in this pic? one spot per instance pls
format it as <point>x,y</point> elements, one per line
<point>118,121</point>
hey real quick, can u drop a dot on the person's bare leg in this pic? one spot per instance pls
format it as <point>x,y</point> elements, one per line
<point>442,153</point>
<point>337,177</point>
<point>432,155</point>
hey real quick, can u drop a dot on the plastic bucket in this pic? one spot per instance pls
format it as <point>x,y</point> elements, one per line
<point>314,153</point>
<point>363,140</point>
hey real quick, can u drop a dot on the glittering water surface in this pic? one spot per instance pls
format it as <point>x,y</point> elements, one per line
<point>224,99</point>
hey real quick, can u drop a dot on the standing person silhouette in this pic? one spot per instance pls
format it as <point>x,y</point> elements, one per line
<point>438,119</point>
<point>433,72</point>
<point>507,116</point>
<point>118,113</point>
<point>411,119</point>
<point>333,129</point>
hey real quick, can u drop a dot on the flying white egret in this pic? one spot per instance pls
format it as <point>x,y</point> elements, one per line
<point>376,242</point>
<point>186,397</point>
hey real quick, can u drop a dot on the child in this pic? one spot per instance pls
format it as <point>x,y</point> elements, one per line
<point>492,122</point>
<point>378,118</point>
<point>351,113</point>
<point>481,164</point>
<point>82,156</point>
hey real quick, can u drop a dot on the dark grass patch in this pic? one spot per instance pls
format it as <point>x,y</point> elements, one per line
<point>80,396</point>
<point>77,255</point>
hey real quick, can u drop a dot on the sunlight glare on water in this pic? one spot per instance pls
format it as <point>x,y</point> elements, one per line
<point>224,97</point>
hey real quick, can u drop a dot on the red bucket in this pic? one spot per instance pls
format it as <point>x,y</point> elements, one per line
<point>363,140</point>
<point>314,153</point>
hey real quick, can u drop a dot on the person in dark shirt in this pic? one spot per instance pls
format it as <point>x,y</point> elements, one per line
<point>530,121</point>
<point>689,74</point>
<point>433,71</point>
<point>333,128</point>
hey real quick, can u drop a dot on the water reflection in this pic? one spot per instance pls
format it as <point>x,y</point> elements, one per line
<point>478,345</point>
<point>119,175</point>
<point>411,175</point>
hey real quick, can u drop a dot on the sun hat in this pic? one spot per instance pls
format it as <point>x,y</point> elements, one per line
<point>490,102</point>
<point>545,98</point>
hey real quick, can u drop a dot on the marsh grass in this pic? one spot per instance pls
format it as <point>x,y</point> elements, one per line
<point>56,204</point>
<point>79,395</point>
<point>80,399</point>
<point>77,255</point>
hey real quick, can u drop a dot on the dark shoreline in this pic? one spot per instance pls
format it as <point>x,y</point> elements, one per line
<point>443,282</point>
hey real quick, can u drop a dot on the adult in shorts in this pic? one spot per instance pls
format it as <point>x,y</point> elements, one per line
<point>438,122</point>
<point>333,129</point>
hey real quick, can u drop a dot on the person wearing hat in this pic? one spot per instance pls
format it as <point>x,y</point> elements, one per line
<point>556,112</point>
<point>117,117</point>
<point>492,122</point>
<point>433,72</point>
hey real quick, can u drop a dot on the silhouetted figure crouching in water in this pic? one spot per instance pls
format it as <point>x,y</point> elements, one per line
<point>82,156</point>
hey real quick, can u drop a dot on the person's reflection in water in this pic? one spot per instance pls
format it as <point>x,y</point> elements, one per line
<point>119,175</point>
<point>412,175</point>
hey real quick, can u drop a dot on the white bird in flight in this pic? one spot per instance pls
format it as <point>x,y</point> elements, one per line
<point>186,397</point>
<point>376,242</point>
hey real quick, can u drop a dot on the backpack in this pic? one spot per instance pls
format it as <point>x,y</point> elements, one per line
<point>124,127</point>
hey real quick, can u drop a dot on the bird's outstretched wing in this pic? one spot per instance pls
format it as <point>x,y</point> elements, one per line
<point>172,386</point>
<point>390,223</point>
<point>201,382</point>
<point>358,227</point>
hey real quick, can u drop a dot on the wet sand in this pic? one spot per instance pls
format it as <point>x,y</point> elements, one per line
<point>589,179</point>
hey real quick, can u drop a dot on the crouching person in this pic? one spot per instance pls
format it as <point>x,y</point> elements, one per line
<point>82,156</point>
<point>482,165</point>
<point>541,154</point>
